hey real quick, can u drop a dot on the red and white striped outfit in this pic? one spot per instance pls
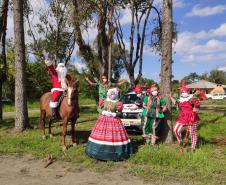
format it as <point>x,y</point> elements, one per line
<point>187,117</point>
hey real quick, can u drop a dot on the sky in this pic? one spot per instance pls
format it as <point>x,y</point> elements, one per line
<point>201,44</point>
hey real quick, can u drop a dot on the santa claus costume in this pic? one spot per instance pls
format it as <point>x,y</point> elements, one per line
<point>58,78</point>
<point>188,107</point>
<point>108,139</point>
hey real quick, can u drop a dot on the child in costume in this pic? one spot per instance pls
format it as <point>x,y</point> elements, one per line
<point>103,85</point>
<point>188,107</point>
<point>155,107</point>
<point>108,139</point>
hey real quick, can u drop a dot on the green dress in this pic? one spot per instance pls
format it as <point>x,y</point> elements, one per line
<point>151,115</point>
<point>102,89</point>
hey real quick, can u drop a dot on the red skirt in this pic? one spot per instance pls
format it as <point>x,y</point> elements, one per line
<point>109,140</point>
<point>188,118</point>
<point>109,129</point>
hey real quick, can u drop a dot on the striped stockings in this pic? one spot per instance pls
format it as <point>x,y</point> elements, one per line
<point>193,133</point>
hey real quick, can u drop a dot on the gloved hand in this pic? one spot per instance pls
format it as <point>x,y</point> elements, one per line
<point>48,62</point>
<point>104,112</point>
<point>113,114</point>
<point>108,114</point>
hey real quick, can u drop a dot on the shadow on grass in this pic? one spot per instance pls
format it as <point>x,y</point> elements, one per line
<point>88,109</point>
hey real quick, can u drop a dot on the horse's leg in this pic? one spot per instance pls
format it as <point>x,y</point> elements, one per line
<point>73,133</point>
<point>50,132</point>
<point>64,133</point>
<point>42,123</point>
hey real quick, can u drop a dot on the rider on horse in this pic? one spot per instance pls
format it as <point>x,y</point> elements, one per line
<point>59,77</point>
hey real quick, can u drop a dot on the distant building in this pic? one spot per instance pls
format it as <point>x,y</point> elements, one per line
<point>208,87</point>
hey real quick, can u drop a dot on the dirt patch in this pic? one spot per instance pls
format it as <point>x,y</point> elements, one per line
<point>219,141</point>
<point>25,170</point>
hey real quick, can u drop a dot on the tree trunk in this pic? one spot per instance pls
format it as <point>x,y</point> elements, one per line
<point>21,113</point>
<point>166,65</point>
<point>3,26</point>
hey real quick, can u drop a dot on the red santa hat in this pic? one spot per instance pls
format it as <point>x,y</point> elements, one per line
<point>183,87</point>
<point>153,88</point>
<point>60,65</point>
<point>138,89</point>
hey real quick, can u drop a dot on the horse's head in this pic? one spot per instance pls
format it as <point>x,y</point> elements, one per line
<point>72,91</point>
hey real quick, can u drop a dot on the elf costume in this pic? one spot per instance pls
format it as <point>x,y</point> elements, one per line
<point>155,106</point>
<point>188,106</point>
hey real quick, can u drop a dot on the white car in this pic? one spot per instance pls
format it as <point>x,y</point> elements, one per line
<point>131,118</point>
<point>218,96</point>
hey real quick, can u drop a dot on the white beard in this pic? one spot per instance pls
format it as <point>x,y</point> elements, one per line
<point>61,73</point>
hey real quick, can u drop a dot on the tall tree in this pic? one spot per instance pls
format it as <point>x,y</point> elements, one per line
<point>86,12</point>
<point>192,77</point>
<point>140,14</point>
<point>217,76</point>
<point>54,32</point>
<point>3,26</point>
<point>166,62</point>
<point>21,113</point>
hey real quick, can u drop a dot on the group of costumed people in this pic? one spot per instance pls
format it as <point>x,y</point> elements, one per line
<point>153,114</point>
<point>109,139</point>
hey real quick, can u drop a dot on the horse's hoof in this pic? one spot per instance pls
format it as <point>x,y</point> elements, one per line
<point>74,144</point>
<point>44,137</point>
<point>50,135</point>
<point>64,148</point>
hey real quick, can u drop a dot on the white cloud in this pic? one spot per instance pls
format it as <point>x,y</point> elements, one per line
<point>189,42</point>
<point>209,47</point>
<point>222,67</point>
<point>126,17</point>
<point>207,58</point>
<point>206,11</point>
<point>178,3</point>
<point>90,34</point>
<point>220,31</point>
<point>203,46</point>
<point>80,66</point>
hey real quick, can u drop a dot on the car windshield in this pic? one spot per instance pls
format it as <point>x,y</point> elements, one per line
<point>129,98</point>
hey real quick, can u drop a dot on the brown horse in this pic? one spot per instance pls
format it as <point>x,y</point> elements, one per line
<point>68,111</point>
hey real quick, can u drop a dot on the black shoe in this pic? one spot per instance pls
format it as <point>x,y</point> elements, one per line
<point>54,114</point>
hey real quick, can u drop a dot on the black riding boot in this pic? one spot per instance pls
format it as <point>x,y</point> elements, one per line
<point>54,114</point>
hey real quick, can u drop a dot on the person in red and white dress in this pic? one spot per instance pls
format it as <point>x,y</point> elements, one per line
<point>108,139</point>
<point>59,85</point>
<point>188,108</point>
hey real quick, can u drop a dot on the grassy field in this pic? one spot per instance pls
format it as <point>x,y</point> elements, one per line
<point>161,164</point>
<point>34,104</point>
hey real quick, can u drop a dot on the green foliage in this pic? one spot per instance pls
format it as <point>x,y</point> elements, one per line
<point>217,76</point>
<point>192,77</point>
<point>38,80</point>
<point>146,82</point>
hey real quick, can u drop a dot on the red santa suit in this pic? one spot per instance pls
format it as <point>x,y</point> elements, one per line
<point>58,83</point>
<point>187,116</point>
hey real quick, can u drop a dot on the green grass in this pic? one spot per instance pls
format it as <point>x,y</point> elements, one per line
<point>215,102</point>
<point>34,104</point>
<point>163,164</point>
